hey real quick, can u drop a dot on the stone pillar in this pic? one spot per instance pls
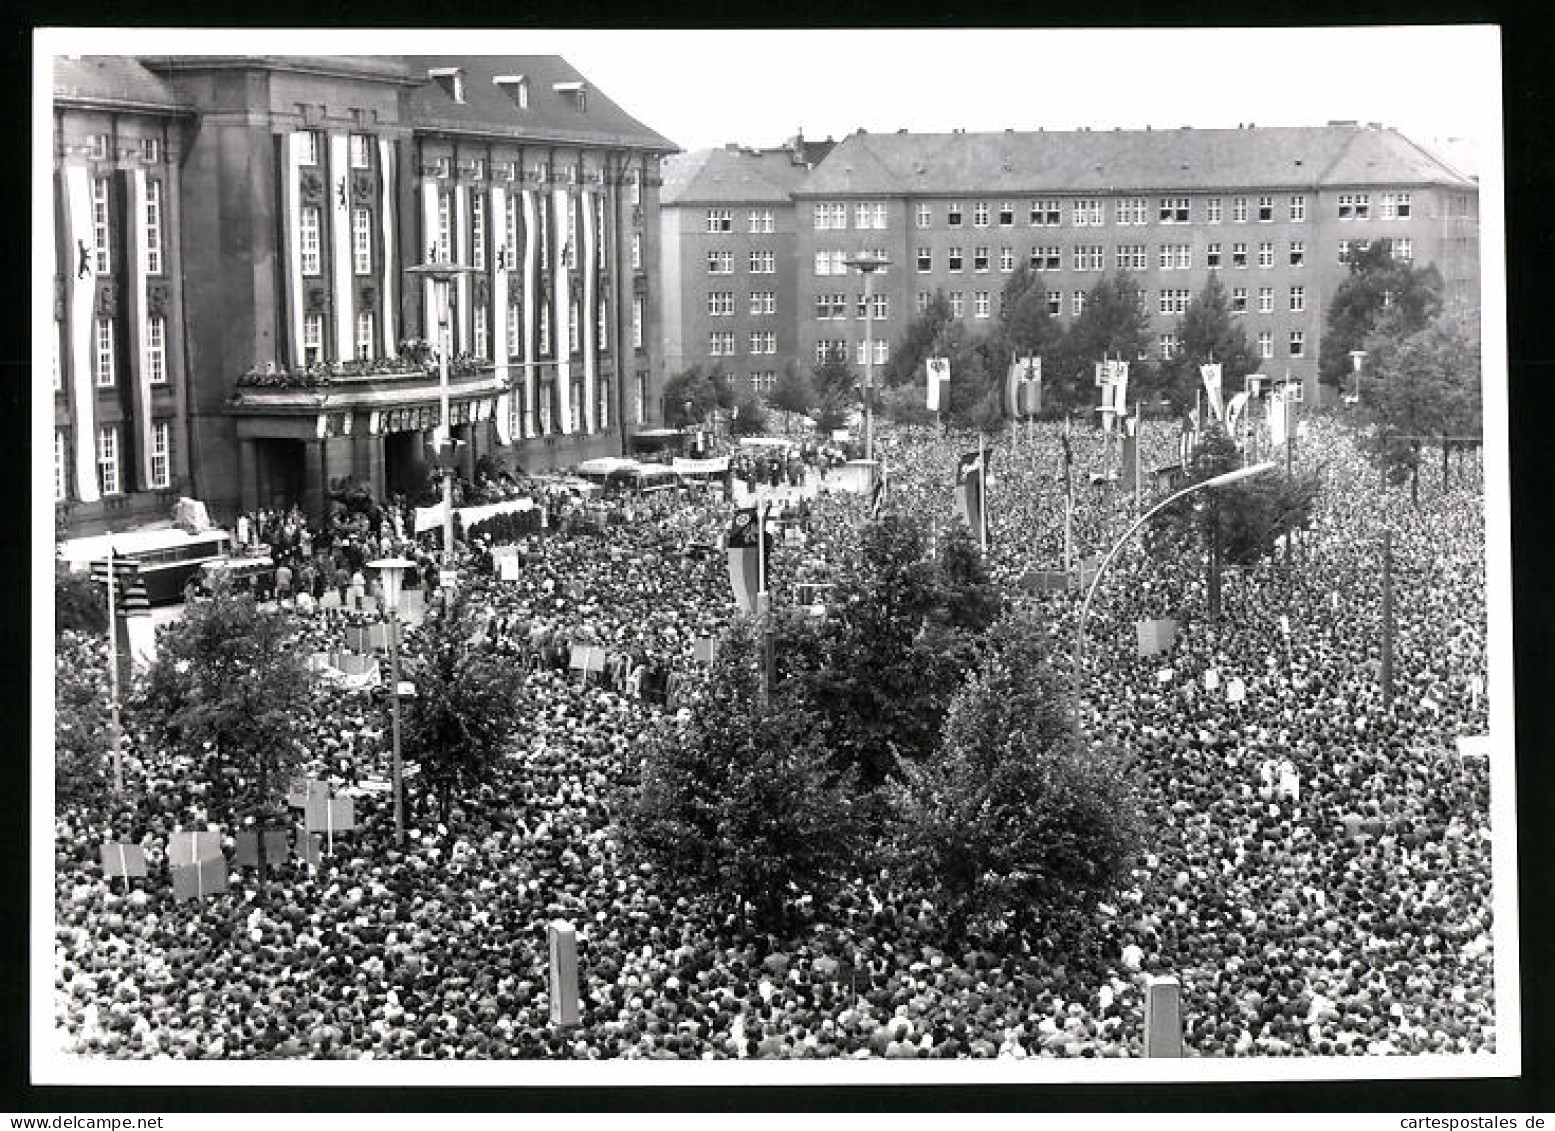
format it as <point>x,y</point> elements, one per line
<point>1163,1017</point>
<point>315,487</point>
<point>367,461</point>
<point>248,476</point>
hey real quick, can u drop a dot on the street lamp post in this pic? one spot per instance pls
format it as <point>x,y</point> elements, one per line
<point>392,572</point>
<point>867,264</point>
<point>442,273</point>
<point>1224,480</point>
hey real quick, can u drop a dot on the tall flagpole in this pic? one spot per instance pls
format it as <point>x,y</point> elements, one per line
<point>982,495</point>
<point>1139,430</point>
<point>115,733</point>
<point>763,605</point>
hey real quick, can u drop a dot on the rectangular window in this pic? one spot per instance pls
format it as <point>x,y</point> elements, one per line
<point>637,322</point>
<point>720,303</point>
<point>763,263</point>
<point>362,241</point>
<point>97,147</point>
<point>925,216</point>
<point>637,251</point>
<point>1077,303</point>
<point>1238,300</point>
<point>1396,205</point>
<point>1298,343</point>
<point>882,307</point>
<point>720,343</point>
<point>1298,208</point>
<point>478,231</point>
<point>1006,259</point>
<point>720,263</point>
<point>103,364</point>
<point>1298,253</point>
<point>831,217</point>
<point>1087,213</point>
<point>882,351</point>
<point>1265,344</point>
<point>869,216</point>
<point>1046,213</point>
<point>1212,256</point>
<point>980,214</point>
<point>1265,209</point>
<point>763,302</point>
<point>1055,303</point>
<point>1168,346</point>
<point>1176,256</point>
<point>101,226</point>
<point>1239,210</point>
<point>1046,258</point>
<point>1089,257</point>
<point>574,334</point>
<point>1239,255</point>
<point>479,343</point>
<point>61,463</point>
<point>1298,299</point>
<point>1131,210</point>
<point>308,231</point>
<point>720,220</point>
<point>156,350</point>
<point>108,459</point>
<point>361,147</point>
<point>979,259</point>
<point>957,304</point>
<point>1006,214</point>
<point>1174,300</point>
<point>1132,257</point>
<point>515,328</point>
<point>161,472</point>
<point>760,221</point>
<point>312,338</point>
<point>1354,206</point>
<point>953,214</point>
<point>1266,255</point>
<point>1265,300</point>
<point>763,342</point>
<point>543,331</point>
<point>925,259</point>
<point>1402,249</point>
<point>1344,251</point>
<point>308,147</point>
<point>954,259</point>
<point>1173,210</point>
<point>56,351</point>
<point>154,227</point>
<point>980,305</point>
<point>1212,210</point>
<point>921,301</point>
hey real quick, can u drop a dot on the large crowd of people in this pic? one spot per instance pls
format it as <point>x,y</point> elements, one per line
<point>1316,869</point>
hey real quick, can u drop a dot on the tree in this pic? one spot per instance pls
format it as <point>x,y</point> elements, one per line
<point>1206,332</point>
<point>905,365</point>
<point>81,754</point>
<point>793,392</point>
<point>1026,324</point>
<point>905,404</point>
<point>1012,823</point>
<point>465,703</point>
<point>750,415</point>
<point>1377,287</point>
<point>971,378</point>
<point>80,604</point>
<point>836,393</point>
<point>703,390</point>
<point>737,802</point>
<point>1422,385</point>
<point>229,689</point>
<point>1112,324</point>
<point>970,599</point>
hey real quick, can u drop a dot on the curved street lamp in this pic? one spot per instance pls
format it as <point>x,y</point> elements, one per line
<point>1224,480</point>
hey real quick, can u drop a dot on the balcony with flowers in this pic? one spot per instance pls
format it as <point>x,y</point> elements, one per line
<point>410,378</point>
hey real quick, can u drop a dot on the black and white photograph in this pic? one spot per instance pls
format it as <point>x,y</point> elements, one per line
<point>562,553</point>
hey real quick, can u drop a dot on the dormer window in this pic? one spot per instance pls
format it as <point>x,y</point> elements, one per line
<point>515,87</point>
<point>577,91</point>
<point>451,79</point>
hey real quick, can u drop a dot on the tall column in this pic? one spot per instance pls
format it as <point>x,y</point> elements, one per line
<point>497,319</point>
<point>462,329</point>
<point>291,191</point>
<point>135,321</point>
<point>389,307</point>
<point>588,314</point>
<point>315,496</point>
<point>561,295</point>
<point>429,238</point>
<point>531,298</point>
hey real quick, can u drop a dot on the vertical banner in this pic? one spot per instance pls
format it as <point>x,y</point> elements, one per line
<point>938,372</point>
<point>1130,449</point>
<point>531,302</point>
<point>1234,410</point>
<point>137,319</point>
<point>341,267</point>
<point>1210,372</point>
<point>429,327</point>
<point>388,310</point>
<point>1023,388</point>
<point>587,257</point>
<point>745,553</point>
<point>83,301</point>
<point>970,478</point>
<point>1278,416</point>
<point>291,191</point>
<point>561,294</point>
<point>497,317</point>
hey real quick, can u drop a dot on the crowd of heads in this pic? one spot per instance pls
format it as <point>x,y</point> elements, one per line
<point>1316,866</point>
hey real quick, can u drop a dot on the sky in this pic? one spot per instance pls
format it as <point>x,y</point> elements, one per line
<point>703,88</point>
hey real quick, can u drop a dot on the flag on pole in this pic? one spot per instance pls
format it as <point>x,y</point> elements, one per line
<point>1023,388</point>
<point>1234,411</point>
<point>1210,372</point>
<point>1278,416</point>
<point>1130,448</point>
<point>938,370</point>
<point>745,558</point>
<point>971,476</point>
<point>877,500</point>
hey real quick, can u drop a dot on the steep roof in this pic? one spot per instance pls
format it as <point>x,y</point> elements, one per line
<point>731,176</point>
<point>552,115</point>
<point>117,81</point>
<point>1113,160</point>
